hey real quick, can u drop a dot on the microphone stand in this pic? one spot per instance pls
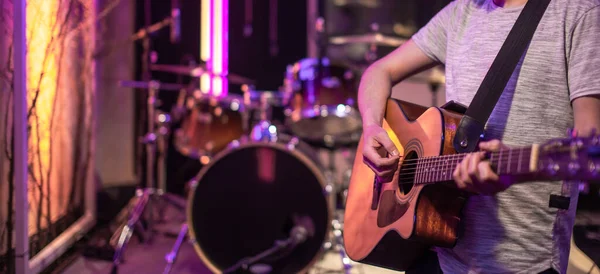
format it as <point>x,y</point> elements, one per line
<point>246,262</point>
<point>144,34</point>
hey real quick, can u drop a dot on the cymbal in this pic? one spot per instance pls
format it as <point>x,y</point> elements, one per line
<point>199,71</point>
<point>372,38</point>
<point>151,84</point>
<point>434,76</point>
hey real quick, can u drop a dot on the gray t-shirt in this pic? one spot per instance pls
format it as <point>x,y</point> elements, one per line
<point>516,231</point>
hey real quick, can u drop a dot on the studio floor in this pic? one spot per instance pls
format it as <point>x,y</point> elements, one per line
<point>149,258</point>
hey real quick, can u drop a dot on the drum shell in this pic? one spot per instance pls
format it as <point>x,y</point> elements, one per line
<point>277,202</point>
<point>210,125</point>
<point>323,108</point>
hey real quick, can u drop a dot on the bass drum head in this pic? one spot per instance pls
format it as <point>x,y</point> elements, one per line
<point>252,195</point>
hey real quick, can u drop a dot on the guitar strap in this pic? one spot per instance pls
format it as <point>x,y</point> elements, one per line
<point>472,125</point>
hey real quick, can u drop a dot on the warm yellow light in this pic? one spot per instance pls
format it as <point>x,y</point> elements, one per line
<point>42,77</point>
<point>217,86</point>
<point>205,83</point>
<point>205,42</point>
<point>205,29</point>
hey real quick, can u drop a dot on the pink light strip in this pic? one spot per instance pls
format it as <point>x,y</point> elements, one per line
<point>219,56</point>
<point>206,34</point>
<point>225,46</point>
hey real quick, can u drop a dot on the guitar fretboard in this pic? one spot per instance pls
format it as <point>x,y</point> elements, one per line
<point>438,169</point>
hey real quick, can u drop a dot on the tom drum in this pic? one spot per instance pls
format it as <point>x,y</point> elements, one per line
<point>211,124</point>
<point>323,108</point>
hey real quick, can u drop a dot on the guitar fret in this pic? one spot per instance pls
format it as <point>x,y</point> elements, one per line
<point>437,171</point>
<point>426,171</point>
<point>519,161</point>
<point>433,172</point>
<point>508,168</point>
<point>443,170</point>
<point>438,175</point>
<point>426,175</point>
<point>419,173</point>
<point>500,161</point>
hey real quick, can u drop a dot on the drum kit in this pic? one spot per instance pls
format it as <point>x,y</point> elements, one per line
<point>263,202</point>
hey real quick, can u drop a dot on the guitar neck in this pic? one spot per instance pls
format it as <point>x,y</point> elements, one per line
<point>511,161</point>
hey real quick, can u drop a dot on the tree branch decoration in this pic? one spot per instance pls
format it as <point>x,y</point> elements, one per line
<point>60,89</point>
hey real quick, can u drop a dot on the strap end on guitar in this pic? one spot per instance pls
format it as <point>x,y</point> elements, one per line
<point>468,134</point>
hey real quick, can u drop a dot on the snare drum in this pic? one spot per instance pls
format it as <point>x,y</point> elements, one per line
<point>211,124</point>
<point>323,109</point>
<point>252,195</point>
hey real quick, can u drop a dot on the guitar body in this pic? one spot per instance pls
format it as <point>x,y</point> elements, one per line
<point>392,225</point>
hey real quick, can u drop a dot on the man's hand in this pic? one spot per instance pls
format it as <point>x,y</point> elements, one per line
<point>475,174</point>
<point>379,152</point>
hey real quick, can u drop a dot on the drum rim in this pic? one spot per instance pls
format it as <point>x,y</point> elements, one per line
<point>185,150</point>
<point>309,113</point>
<point>223,99</point>
<point>245,143</point>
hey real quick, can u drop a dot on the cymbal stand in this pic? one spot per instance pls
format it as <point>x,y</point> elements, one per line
<point>336,242</point>
<point>264,129</point>
<point>156,148</point>
<point>434,87</point>
<point>155,141</point>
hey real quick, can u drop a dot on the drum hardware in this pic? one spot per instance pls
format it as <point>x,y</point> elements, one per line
<point>198,71</point>
<point>298,235</point>
<point>154,192</point>
<point>336,239</point>
<point>263,102</point>
<point>172,256</point>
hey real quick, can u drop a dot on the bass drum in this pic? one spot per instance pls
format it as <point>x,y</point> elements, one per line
<point>252,195</point>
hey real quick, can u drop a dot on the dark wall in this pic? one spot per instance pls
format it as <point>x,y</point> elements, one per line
<point>250,56</point>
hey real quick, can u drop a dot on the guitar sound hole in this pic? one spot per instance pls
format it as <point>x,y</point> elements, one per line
<point>406,178</point>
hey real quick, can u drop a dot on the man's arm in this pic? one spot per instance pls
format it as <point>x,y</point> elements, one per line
<point>377,81</point>
<point>586,113</point>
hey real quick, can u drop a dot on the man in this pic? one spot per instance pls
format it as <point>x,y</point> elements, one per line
<point>556,86</point>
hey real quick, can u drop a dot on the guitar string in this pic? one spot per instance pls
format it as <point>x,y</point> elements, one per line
<point>421,166</point>
<point>445,161</point>
<point>444,165</point>
<point>454,156</point>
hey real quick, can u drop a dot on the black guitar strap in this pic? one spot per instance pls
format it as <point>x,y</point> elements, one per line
<point>472,125</point>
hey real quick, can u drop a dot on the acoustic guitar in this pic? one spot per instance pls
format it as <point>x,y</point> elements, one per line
<point>392,224</point>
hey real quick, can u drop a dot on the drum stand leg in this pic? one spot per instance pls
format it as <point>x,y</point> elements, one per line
<point>172,256</point>
<point>155,192</point>
<point>337,241</point>
<point>147,198</point>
